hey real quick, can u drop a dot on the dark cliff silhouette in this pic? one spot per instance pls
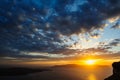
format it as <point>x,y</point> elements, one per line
<point>116,72</point>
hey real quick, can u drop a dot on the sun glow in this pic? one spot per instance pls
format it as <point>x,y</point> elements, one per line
<point>90,62</point>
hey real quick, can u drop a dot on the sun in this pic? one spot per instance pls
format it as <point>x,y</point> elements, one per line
<point>90,62</point>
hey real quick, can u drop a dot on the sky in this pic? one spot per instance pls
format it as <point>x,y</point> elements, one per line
<point>55,31</point>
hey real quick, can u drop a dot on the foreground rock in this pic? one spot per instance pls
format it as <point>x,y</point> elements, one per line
<point>116,72</point>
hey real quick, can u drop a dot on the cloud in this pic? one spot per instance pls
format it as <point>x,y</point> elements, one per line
<point>110,45</point>
<point>115,42</point>
<point>95,35</point>
<point>110,56</point>
<point>81,52</point>
<point>37,25</point>
<point>116,25</point>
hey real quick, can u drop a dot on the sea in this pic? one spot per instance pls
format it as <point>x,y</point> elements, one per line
<point>67,73</point>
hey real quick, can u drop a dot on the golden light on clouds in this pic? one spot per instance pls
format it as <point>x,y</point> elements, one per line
<point>113,19</point>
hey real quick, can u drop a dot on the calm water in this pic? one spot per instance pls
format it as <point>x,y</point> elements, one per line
<point>82,73</point>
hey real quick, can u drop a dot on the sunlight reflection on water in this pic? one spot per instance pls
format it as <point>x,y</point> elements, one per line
<point>91,77</point>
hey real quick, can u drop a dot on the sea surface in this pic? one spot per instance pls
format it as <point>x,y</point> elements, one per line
<point>66,73</point>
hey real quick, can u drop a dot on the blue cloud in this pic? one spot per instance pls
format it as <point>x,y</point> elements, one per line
<point>36,25</point>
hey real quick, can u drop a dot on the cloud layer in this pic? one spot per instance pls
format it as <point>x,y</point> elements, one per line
<point>39,25</point>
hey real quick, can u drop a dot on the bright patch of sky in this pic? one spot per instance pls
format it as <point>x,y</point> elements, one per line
<point>85,41</point>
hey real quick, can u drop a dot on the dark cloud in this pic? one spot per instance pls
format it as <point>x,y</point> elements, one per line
<point>95,35</point>
<point>36,25</point>
<point>109,45</point>
<point>117,25</point>
<point>115,42</point>
<point>77,52</point>
<point>15,53</point>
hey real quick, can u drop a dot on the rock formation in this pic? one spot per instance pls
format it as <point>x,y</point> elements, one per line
<point>116,72</point>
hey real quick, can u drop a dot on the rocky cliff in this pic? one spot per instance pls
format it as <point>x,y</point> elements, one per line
<point>116,72</point>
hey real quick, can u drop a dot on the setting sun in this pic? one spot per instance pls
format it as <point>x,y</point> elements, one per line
<point>90,62</point>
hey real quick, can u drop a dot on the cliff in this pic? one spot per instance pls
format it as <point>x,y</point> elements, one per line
<point>116,72</point>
